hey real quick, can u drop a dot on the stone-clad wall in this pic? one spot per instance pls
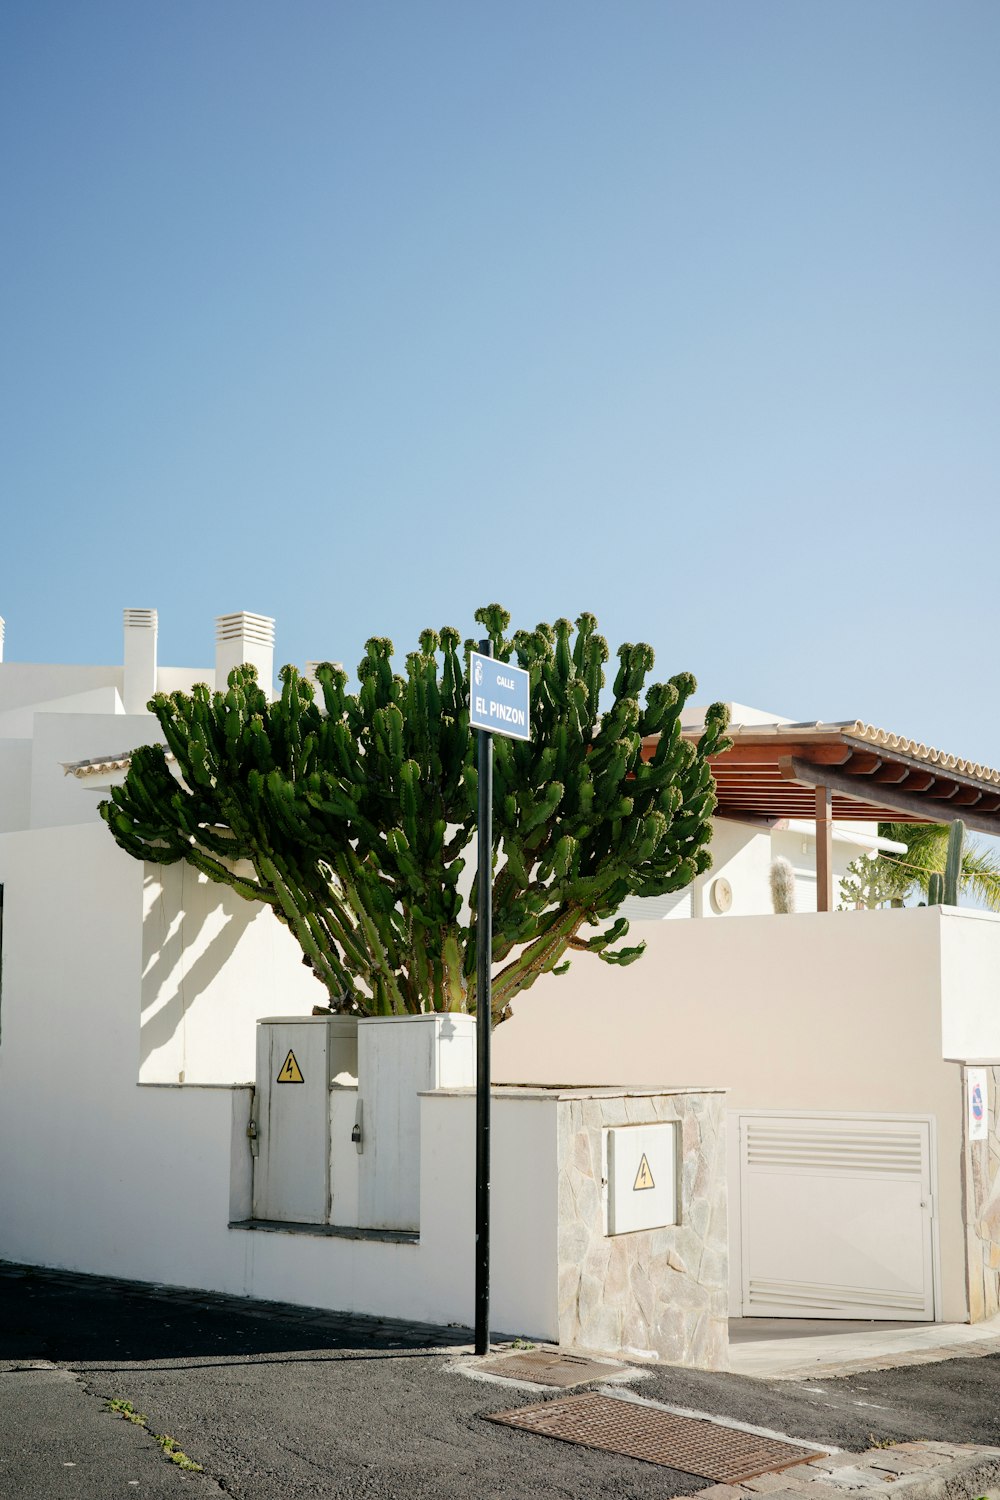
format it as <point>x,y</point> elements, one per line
<point>982,1206</point>
<point>660,1291</point>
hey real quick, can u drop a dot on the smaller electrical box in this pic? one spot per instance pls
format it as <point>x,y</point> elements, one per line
<point>299,1058</point>
<point>642,1176</point>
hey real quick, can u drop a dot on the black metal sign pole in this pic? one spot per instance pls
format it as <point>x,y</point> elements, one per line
<point>484,1018</point>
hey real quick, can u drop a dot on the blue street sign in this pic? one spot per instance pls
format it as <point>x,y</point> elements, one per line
<point>499,697</point>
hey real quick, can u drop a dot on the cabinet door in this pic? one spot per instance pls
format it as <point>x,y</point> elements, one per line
<point>292,1167</point>
<point>836,1217</point>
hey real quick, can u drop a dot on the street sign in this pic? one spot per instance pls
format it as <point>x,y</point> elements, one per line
<point>499,697</point>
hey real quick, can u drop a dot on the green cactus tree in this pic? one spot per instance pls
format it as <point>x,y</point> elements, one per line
<point>351,814</point>
<point>953,863</point>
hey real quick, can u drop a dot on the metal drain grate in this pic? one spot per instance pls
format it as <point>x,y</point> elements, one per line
<point>543,1368</point>
<point>688,1444</point>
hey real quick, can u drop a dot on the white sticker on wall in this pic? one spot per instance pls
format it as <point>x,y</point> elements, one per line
<point>978,1104</point>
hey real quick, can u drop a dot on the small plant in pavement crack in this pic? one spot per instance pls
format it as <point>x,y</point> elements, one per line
<point>175,1453</point>
<point>127,1410</point>
<point>170,1446</point>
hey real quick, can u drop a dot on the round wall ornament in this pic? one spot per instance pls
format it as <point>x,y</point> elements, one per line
<point>721,894</point>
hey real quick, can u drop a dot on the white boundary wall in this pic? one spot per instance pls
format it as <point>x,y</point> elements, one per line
<point>97,1173</point>
<point>837,1012</point>
<point>852,1012</point>
<point>211,964</point>
<point>101,1173</point>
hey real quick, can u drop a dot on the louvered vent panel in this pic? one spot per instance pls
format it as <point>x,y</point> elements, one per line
<point>245,626</point>
<point>656,908</point>
<point>139,619</point>
<point>777,1144</point>
<point>815,1295</point>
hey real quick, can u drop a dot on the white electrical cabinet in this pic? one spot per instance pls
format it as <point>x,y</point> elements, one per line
<point>642,1176</point>
<point>400,1057</point>
<point>299,1058</point>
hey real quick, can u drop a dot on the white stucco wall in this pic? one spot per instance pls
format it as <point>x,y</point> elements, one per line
<point>816,1012</point>
<point>32,685</point>
<point>100,1173</point>
<point>970,1000</point>
<point>29,684</point>
<point>524,1210</point>
<point>19,722</point>
<point>742,853</point>
<point>840,1012</point>
<point>182,679</point>
<point>212,964</point>
<point>76,1189</point>
<point>115,973</point>
<point>15,783</point>
<point>60,738</point>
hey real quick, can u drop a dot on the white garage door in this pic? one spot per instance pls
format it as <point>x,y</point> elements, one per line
<point>836,1217</point>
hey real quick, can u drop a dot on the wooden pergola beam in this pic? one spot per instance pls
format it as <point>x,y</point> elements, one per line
<point>763,753</point>
<point>824,848</point>
<point>917,807</point>
<point>752,819</point>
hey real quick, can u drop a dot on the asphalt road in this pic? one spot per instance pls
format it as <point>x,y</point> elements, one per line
<point>279,1403</point>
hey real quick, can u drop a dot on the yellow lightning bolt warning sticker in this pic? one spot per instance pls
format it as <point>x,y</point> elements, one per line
<point>643,1178</point>
<point>292,1073</point>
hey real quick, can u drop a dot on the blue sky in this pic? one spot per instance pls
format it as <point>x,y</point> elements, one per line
<point>363,315</point>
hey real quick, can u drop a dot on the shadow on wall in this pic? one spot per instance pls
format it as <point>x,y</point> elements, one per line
<point>206,961</point>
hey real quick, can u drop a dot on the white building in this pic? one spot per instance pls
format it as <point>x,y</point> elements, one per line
<point>860,1048</point>
<point>851,1042</point>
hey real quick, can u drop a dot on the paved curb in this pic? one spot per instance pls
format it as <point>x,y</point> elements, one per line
<point>819,1368</point>
<point>916,1471</point>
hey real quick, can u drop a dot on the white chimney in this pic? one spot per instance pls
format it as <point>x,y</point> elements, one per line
<point>139,682</point>
<point>2,628</point>
<point>244,638</point>
<point>310,672</point>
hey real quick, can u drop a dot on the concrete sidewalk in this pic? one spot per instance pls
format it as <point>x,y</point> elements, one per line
<point>796,1349</point>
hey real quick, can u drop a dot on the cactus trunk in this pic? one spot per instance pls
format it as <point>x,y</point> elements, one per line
<point>953,863</point>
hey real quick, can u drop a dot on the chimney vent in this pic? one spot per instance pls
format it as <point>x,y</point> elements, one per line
<point>141,619</point>
<point>139,675</point>
<point>240,638</point>
<point>310,672</point>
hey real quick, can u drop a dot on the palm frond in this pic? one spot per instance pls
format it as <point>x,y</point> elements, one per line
<point>981,875</point>
<point>926,852</point>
